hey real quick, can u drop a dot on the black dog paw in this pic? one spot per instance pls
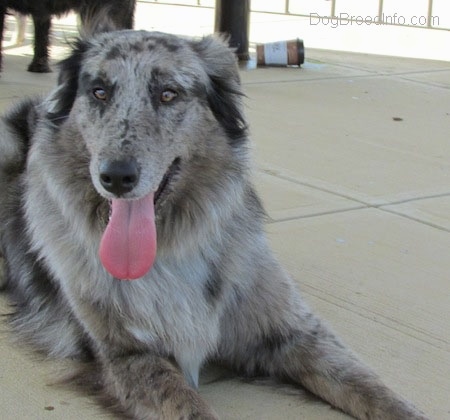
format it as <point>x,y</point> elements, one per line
<point>39,66</point>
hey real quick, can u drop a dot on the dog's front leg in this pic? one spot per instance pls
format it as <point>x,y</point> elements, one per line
<point>315,358</point>
<point>151,387</point>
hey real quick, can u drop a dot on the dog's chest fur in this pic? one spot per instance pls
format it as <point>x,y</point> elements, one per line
<point>166,311</point>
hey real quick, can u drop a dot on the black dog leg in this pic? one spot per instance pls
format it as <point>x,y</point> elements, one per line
<point>42,26</point>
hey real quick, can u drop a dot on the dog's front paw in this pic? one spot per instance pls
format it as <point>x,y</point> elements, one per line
<point>175,407</point>
<point>39,66</point>
<point>148,387</point>
<point>195,408</point>
<point>182,405</point>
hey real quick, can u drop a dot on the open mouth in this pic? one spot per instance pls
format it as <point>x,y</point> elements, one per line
<point>128,244</point>
<point>167,178</point>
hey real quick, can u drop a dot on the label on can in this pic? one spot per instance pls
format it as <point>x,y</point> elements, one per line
<point>276,53</point>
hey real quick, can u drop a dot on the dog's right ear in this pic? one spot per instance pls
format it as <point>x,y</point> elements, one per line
<point>61,100</point>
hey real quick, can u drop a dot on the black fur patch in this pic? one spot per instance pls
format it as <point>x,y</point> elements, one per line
<point>222,101</point>
<point>168,45</point>
<point>279,339</point>
<point>213,287</point>
<point>137,47</point>
<point>68,79</point>
<point>114,53</point>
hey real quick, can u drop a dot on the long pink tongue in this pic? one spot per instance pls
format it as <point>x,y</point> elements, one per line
<point>128,245</point>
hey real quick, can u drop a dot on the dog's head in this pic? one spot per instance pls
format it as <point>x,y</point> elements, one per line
<point>144,104</point>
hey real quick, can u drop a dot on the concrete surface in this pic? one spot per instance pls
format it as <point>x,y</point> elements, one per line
<point>359,207</point>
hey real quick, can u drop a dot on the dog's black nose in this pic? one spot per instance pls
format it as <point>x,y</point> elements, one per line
<point>119,177</point>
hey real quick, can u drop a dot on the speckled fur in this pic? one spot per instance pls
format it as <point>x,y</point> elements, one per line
<point>215,293</point>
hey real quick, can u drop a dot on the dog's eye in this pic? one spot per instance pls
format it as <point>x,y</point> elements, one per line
<point>168,95</point>
<point>99,94</point>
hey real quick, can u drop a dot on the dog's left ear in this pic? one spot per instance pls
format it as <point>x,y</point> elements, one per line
<point>224,91</point>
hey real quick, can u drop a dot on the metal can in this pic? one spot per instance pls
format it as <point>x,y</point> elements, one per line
<point>281,53</point>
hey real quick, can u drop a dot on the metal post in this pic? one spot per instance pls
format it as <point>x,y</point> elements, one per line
<point>380,11</point>
<point>333,8</point>
<point>232,18</point>
<point>430,13</point>
<point>286,7</point>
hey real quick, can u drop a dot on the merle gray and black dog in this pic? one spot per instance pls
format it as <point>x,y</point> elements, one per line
<point>121,12</point>
<point>131,232</point>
